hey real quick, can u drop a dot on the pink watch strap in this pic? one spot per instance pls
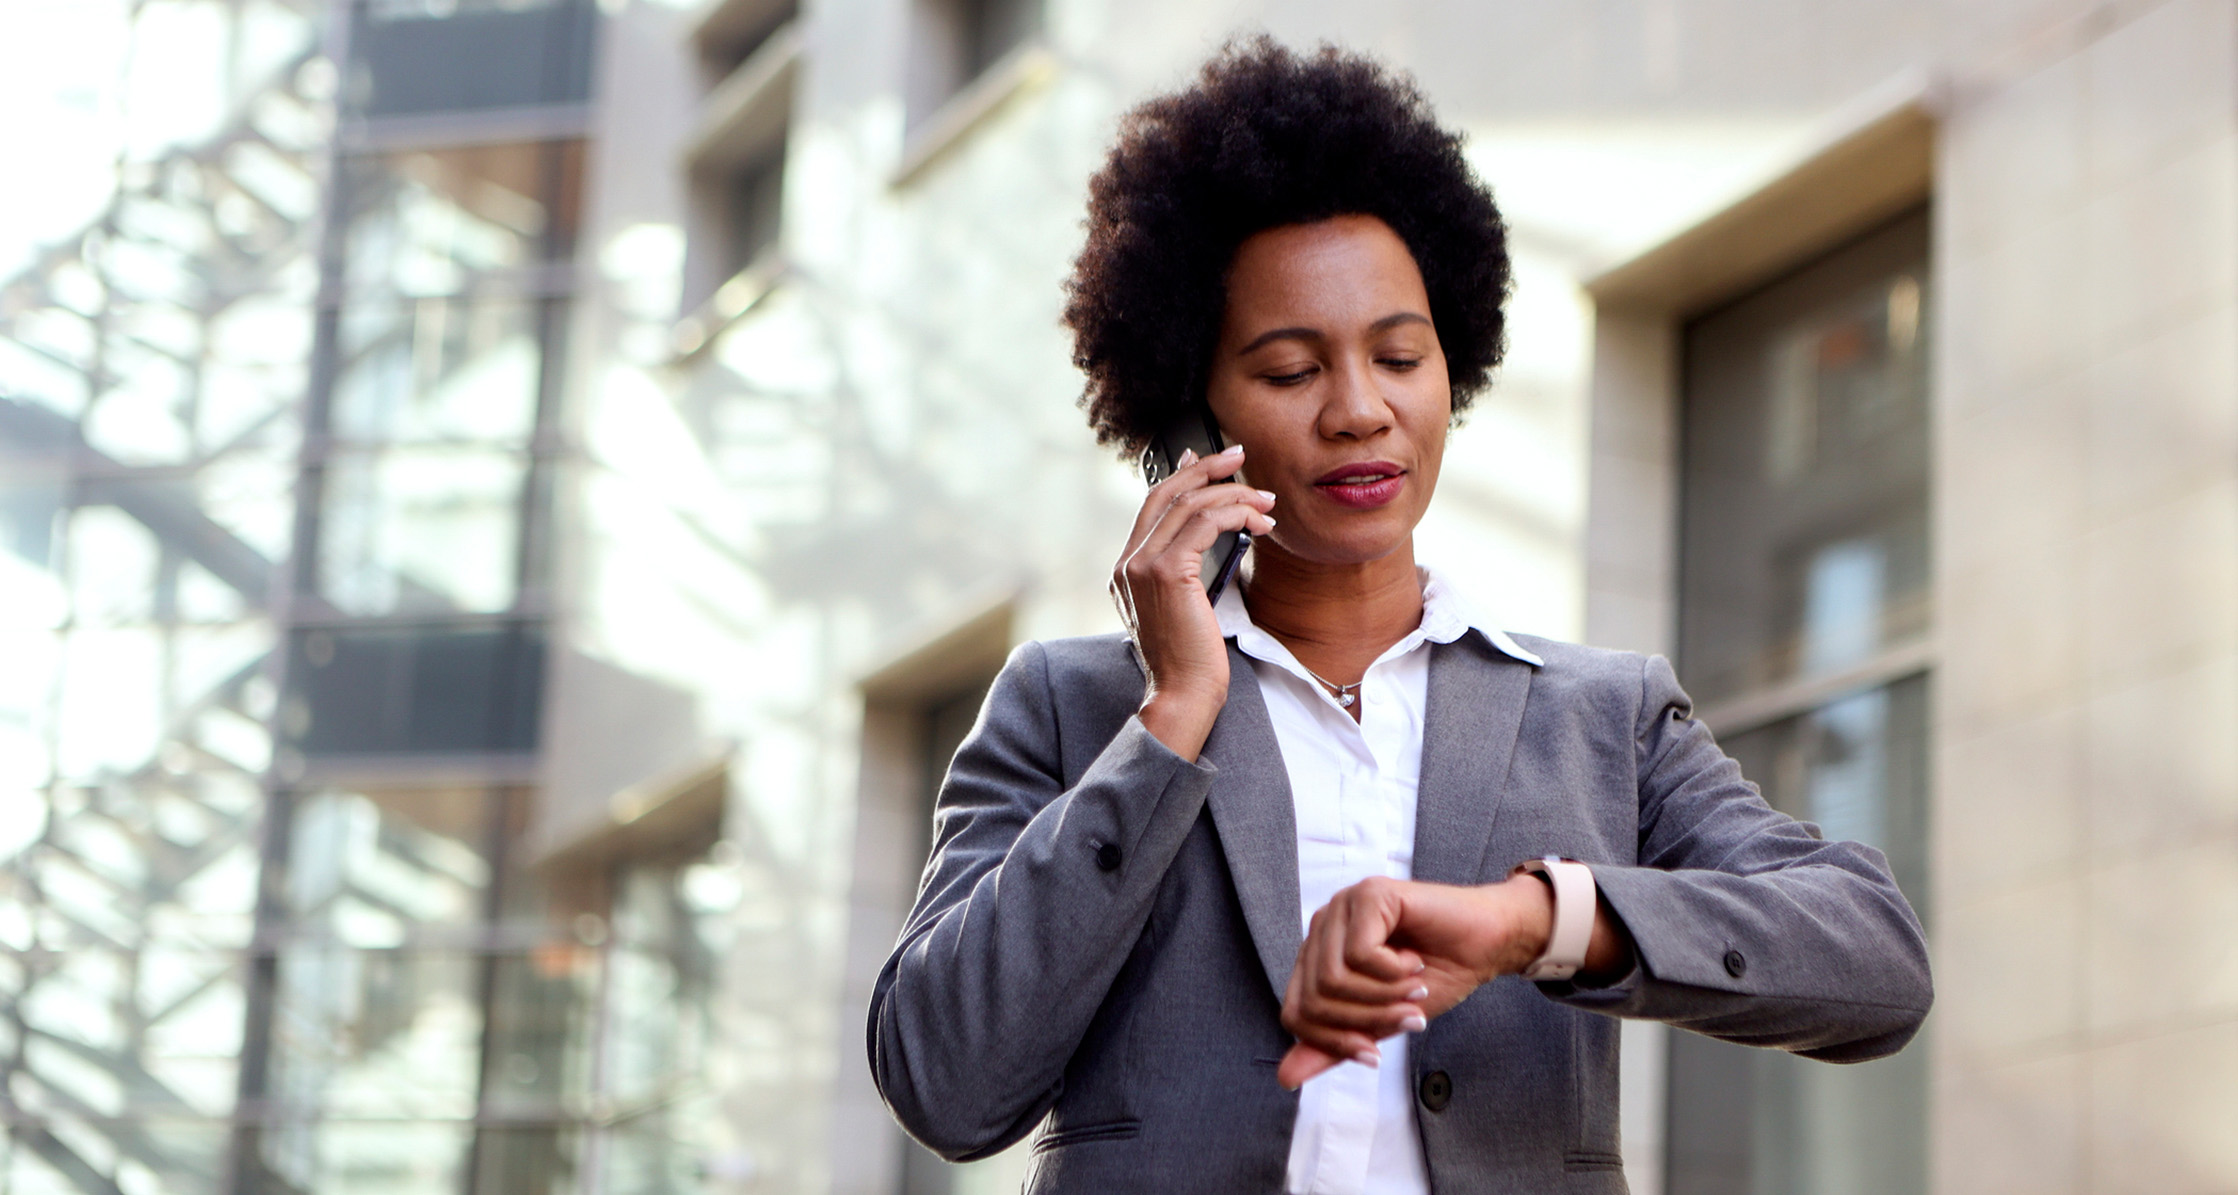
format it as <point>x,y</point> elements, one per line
<point>1575,901</point>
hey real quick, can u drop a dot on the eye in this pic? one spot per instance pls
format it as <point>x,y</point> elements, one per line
<point>1293,378</point>
<point>1399,363</point>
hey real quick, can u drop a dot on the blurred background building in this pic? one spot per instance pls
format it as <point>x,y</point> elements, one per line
<point>506,506</point>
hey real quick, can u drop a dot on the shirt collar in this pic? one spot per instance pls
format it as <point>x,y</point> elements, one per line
<point>1447,614</point>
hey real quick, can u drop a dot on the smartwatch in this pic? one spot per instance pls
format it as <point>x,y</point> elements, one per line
<point>1575,899</point>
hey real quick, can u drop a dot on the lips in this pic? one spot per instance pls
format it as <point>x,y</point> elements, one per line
<point>1362,485</point>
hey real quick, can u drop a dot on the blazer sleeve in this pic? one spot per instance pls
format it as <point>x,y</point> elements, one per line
<point>1031,903</point>
<point>1747,926</point>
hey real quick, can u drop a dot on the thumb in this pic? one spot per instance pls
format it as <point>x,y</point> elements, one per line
<point>1303,1062</point>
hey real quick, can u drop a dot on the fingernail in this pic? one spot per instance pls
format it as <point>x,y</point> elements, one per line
<point>1414,1024</point>
<point>1368,1058</point>
<point>1232,450</point>
<point>1188,458</point>
<point>1419,968</point>
<point>1267,494</point>
<point>1270,522</point>
<point>1419,994</point>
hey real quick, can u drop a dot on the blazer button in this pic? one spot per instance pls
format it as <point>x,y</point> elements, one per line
<point>1108,858</point>
<point>1436,1090</point>
<point>1735,964</point>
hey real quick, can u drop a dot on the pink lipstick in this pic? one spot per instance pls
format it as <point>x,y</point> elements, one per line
<point>1362,485</point>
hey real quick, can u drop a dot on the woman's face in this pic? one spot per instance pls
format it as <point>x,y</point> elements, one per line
<point>1328,372</point>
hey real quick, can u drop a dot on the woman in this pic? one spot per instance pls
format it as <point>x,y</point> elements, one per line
<point>1113,930</point>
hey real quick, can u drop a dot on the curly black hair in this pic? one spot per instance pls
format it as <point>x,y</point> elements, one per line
<point>1268,137</point>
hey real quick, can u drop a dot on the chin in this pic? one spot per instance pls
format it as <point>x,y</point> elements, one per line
<point>1344,549</point>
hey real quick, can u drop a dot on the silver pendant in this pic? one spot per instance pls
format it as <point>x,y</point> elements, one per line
<point>1346,700</point>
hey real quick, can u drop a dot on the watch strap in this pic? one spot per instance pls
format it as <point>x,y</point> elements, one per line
<point>1575,901</point>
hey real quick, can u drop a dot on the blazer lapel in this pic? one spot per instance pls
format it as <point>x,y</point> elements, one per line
<point>1258,827</point>
<point>1475,710</point>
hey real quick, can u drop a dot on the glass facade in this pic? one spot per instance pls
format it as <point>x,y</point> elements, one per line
<point>1803,617</point>
<point>278,432</point>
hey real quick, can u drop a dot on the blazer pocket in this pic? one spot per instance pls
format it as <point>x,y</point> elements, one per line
<point>1115,1130</point>
<point>1587,1159</point>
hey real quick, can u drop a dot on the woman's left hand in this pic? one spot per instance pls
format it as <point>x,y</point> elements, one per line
<point>1384,956</point>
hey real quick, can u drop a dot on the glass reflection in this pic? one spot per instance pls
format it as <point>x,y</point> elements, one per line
<point>421,530</point>
<point>1771,1123</point>
<point>1805,507</point>
<point>441,221</point>
<point>439,369</point>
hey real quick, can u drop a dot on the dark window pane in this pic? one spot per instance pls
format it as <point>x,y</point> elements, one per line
<point>417,59</point>
<point>1804,552</point>
<point>953,41</point>
<point>732,32</point>
<point>1805,492</point>
<point>1856,766</point>
<point>753,206</point>
<point>416,690</point>
<point>996,27</point>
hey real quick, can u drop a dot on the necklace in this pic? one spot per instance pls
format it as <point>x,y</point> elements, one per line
<point>1344,695</point>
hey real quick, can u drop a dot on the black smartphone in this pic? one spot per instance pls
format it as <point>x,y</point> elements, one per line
<point>1194,428</point>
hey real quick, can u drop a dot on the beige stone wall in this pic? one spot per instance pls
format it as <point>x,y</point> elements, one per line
<point>2086,787</point>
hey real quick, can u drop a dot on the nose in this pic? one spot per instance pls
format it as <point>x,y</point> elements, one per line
<point>1353,405</point>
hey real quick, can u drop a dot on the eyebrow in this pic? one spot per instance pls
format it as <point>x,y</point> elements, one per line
<point>1387,322</point>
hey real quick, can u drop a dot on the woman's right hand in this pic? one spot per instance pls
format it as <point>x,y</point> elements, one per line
<point>1158,586</point>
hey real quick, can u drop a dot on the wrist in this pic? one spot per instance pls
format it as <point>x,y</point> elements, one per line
<point>1526,917</point>
<point>1181,718</point>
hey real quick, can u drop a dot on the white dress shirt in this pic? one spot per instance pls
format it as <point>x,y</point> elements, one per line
<point>1353,784</point>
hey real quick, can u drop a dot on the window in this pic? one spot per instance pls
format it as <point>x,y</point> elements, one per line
<point>954,42</point>
<point>428,57</point>
<point>942,722</point>
<point>1803,621</point>
<point>753,201</point>
<point>736,30</point>
<point>749,52</point>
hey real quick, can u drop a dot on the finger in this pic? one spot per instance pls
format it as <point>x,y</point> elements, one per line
<point>1191,474</point>
<point>1301,1063</point>
<point>1184,536</point>
<point>1349,1044</point>
<point>1176,520</point>
<point>1352,987</point>
<point>1369,951</point>
<point>1323,1019</point>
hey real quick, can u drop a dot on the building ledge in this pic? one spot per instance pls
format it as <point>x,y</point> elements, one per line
<point>1028,68</point>
<point>731,302</point>
<point>747,112</point>
<point>1875,160</point>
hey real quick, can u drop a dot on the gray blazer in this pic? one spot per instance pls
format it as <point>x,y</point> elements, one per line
<point>1104,929</point>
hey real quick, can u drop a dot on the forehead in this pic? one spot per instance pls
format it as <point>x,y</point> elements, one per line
<point>1329,275</point>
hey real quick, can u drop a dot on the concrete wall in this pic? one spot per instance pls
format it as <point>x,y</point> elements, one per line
<point>2087,563</point>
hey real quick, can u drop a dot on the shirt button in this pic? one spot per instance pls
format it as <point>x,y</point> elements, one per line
<point>1436,1090</point>
<point>1108,857</point>
<point>1735,964</point>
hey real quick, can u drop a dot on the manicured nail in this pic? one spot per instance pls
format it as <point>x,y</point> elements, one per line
<point>1188,458</point>
<point>1368,1058</point>
<point>1232,450</point>
<point>1419,968</point>
<point>1419,994</point>
<point>1270,522</point>
<point>1414,1024</point>
<point>1267,494</point>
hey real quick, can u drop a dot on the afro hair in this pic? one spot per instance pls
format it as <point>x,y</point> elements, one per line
<point>1267,137</point>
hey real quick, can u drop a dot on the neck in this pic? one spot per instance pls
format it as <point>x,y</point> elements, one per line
<point>1336,618</point>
